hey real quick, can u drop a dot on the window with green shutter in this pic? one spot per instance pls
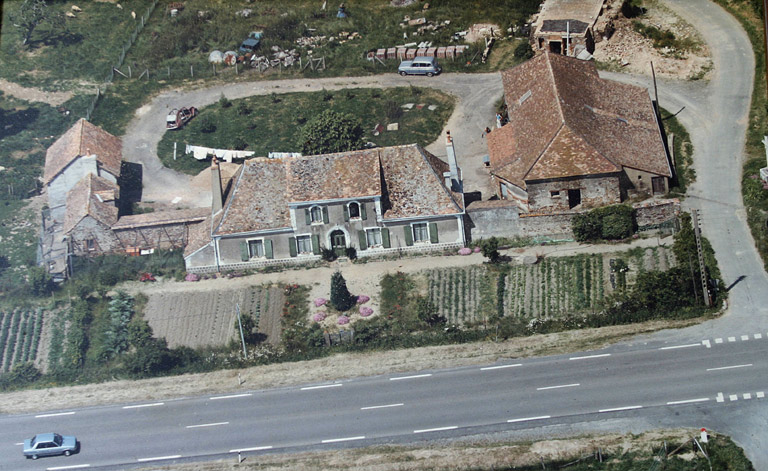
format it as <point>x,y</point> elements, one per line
<point>244,254</point>
<point>346,213</point>
<point>407,231</point>
<point>362,240</point>
<point>325,215</point>
<point>363,215</point>
<point>268,249</point>
<point>292,246</point>
<point>433,232</point>
<point>316,244</point>
<point>385,238</point>
<point>307,216</point>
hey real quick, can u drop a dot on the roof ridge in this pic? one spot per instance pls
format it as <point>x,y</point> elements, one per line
<point>553,81</point>
<point>545,148</point>
<point>440,181</point>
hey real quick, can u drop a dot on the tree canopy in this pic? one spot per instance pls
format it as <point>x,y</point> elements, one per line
<point>331,132</point>
<point>30,15</point>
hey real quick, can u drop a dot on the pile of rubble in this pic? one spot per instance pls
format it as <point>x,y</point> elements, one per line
<point>423,24</point>
<point>316,41</point>
<point>280,57</point>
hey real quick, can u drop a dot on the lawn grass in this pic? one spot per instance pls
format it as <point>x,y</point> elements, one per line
<point>682,147</point>
<point>18,232</point>
<point>272,123</point>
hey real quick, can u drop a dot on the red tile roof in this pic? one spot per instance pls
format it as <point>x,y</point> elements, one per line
<point>407,178</point>
<point>83,139</point>
<point>92,196</point>
<point>566,121</point>
<point>156,218</point>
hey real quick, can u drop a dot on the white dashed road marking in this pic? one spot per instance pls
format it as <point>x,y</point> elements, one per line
<point>760,395</point>
<point>720,397</point>
<point>744,338</point>
<point>729,367</point>
<point>381,407</point>
<point>348,439</point>
<point>526,419</point>
<point>758,336</point>
<point>731,339</point>
<point>57,414</point>
<point>254,448</point>
<point>438,429</point>
<point>617,409</point>
<point>214,398</point>
<point>158,458</point>
<point>321,387</point>
<point>591,356</point>
<point>688,401</point>
<point>139,406</point>
<point>705,342</point>
<point>208,425</point>
<point>500,367</point>
<point>410,377</point>
<point>74,466</point>
<point>718,340</point>
<point>558,387</point>
<point>733,397</point>
<point>747,396</point>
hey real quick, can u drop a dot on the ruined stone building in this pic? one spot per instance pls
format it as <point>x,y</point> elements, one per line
<point>567,26</point>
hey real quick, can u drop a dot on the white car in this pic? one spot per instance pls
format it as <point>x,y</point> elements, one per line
<point>49,444</point>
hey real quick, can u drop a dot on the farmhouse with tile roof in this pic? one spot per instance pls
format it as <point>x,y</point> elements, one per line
<point>287,210</point>
<point>574,140</point>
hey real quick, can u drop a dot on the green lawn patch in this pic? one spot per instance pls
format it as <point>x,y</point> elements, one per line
<point>266,124</point>
<point>682,148</point>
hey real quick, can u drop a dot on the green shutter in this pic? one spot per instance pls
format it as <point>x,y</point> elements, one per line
<point>362,239</point>
<point>346,213</point>
<point>433,232</point>
<point>408,235</point>
<point>307,216</point>
<point>363,216</point>
<point>316,244</point>
<point>385,238</point>
<point>268,249</point>
<point>292,246</point>
<point>325,215</point>
<point>244,254</point>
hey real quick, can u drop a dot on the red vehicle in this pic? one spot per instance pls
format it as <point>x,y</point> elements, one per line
<point>179,117</point>
<point>146,277</point>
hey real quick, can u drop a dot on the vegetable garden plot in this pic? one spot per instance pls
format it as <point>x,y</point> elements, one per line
<point>455,292</point>
<point>20,332</point>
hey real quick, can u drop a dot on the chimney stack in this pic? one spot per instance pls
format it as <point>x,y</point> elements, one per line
<point>447,179</point>
<point>217,194</point>
<point>456,184</point>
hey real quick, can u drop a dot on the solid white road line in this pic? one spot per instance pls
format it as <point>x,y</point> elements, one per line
<point>685,346</point>
<point>729,367</point>
<point>438,429</point>
<point>381,407</point>
<point>348,439</point>
<point>760,395</point>
<point>214,398</point>
<point>56,414</point>
<point>158,458</point>
<point>526,419</point>
<point>720,397</point>
<point>591,356</point>
<point>208,425</point>
<point>255,448</point>
<point>336,385</point>
<point>558,387</point>
<point>410,377</point>
<point>744,338</point>
<point>74,466</point>
<point>617,409</point>
<point>688,401</point>
<point>500,367</point>
<point>138,406</point>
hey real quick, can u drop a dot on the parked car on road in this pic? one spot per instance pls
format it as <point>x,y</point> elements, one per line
<point>420,66</point>
<point>179,117</point>
<point>49,444</point>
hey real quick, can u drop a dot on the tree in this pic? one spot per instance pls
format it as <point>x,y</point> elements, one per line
<point>524,50</point>
<point>490,249</point>
<point>331,132</point>
<point>40,281</point>
<point>341,298</point>
<point>30,15</point>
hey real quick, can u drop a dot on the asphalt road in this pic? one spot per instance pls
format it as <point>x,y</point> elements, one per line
<point>507,396</point>
<point>716,378</point>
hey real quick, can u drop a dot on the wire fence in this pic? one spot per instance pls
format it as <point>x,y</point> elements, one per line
<point>126,47</point>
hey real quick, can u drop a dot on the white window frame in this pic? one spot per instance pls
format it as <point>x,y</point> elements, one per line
<point>299,238</point>
<point>369,230</point>
<point>554,194</point>
<point>428,239</point>
<point>359,210</point>
<point>251,255</point>
<point>312,219</point>
<point>90,244</point>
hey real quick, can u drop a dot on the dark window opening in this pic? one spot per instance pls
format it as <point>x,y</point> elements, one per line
<point>574,198</point>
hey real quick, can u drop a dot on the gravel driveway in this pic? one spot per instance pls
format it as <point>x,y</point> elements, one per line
<point>476,95</point>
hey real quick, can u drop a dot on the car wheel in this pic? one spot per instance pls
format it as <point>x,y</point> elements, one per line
<point>403,74</point>
<point>67,453</point>
<point>34,457</point>
<point>430,74</point>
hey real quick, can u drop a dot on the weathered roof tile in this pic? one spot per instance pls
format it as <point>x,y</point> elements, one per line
<point>83,139</point>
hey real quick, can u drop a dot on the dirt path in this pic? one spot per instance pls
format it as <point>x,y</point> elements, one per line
<point>33,94</point>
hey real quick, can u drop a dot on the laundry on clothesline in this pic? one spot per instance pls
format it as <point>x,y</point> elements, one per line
<point>202,153</point>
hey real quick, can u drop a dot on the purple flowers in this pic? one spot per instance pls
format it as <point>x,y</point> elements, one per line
<point>477,250</point>
<point>192,277</point>
<point>365,311</point>
<point>465,251</point>
<point>319,317</point>
<point>343,320</point>
<point>362,299</point>
<point>320,302</point>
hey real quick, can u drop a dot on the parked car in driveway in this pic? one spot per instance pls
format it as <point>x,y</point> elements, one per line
<point>49,444</point>
<point>420,66</point>
<point>179,117</point>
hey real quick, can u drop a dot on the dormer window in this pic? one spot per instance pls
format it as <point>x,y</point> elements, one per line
<point>354,210</point>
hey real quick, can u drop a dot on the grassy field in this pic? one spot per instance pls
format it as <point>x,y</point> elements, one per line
<point>271,123</point>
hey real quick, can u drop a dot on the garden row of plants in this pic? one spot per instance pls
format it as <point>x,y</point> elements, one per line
<point>20,332</point>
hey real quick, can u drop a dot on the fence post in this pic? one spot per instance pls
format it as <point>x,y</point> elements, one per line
<point>192,71</point>
<point>214,70</point>
<point>147,75</point>
<point>235,68</point>
<point>169,71</point>
<point>129,72</point>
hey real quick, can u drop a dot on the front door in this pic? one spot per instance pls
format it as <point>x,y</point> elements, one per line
<point>339,243</point>
<point>574,198</point>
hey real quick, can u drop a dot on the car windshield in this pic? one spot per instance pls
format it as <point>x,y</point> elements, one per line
<point>57,438</point>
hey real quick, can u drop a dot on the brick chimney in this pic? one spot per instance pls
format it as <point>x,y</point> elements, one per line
<point>217,194</point>
<point>456,184</point>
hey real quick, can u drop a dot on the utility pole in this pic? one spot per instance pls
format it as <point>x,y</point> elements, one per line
<point>240,323</point>
<point>702,267</point>
<point>765,33</point>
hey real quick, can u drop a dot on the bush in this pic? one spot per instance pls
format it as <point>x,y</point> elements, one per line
<point>207,125</point>
<point>40,281</point>
<point>608,223</point>
<point>490,249</point>
<point>341,298</point>
<point>393,110</point>
<point>243,109</point>
<point>328,255</point>
<point>523,50</point>
<point>331,132</point>
<point>351,253</point>
<point>224,102</point>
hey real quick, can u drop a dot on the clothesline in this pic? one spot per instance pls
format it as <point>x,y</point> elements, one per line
<point>202,153</point>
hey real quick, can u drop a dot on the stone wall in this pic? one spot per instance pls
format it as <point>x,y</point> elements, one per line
<point>161,236</point>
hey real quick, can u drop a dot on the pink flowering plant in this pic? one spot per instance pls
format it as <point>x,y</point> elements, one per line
<point>343,320</point>
<point>365,311</point>
<point>465,251</point>
<point>362,299</point>
<point>320,302</point>
<point>319,317</point>
<point>477,250</point>
<point>192,277</point>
